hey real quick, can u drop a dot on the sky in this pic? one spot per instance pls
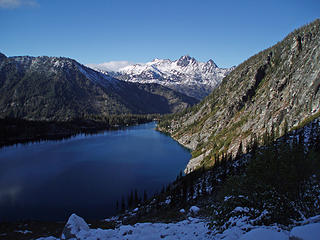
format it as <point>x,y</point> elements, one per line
<point>130,31</point>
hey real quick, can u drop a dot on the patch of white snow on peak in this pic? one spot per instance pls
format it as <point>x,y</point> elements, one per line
<point>113,66</point>
<point>97,77</point>
<point>186,69</point>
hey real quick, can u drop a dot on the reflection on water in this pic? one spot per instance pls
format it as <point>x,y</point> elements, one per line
<point>85,174</point>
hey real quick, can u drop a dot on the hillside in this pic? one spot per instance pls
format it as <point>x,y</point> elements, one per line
<point>272,92</point>
<point>52,88</point>
<point>186,74</point>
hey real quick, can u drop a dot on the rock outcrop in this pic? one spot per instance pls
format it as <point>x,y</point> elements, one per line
<point>274,91</point>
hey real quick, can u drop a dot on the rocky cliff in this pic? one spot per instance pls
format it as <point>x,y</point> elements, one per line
<point>271,92</point>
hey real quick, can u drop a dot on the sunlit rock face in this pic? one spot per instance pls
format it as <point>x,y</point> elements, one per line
<point>273,91</point>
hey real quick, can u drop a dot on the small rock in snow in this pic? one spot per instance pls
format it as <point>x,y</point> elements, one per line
<point>194,209</point>
<point>182,210</point>
<point>136,210</point>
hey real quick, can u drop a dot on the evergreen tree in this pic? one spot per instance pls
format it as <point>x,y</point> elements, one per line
<point>130,200</point>
<point>123,204</point>
<point>145,196</point>
<point>136,198</point>
<point>240,151</point>
<point>204,187</point>
<point>117,206</point>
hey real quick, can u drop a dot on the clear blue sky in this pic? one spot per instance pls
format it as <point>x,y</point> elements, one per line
<point>98,31</point>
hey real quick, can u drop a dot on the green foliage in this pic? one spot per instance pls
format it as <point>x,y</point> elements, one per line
<point>276,185</point>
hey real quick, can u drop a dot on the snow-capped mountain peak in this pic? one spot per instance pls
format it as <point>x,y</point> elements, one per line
<point>185,61</point>
<point>187,75</point>
<point>211,63</point>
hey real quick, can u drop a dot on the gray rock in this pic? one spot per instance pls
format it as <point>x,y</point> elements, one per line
<point>74,227</point>
<point>275,89</point>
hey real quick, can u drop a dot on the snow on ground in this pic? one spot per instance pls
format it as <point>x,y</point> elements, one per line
<point>191,228</point>
<point>264,234</point>
<point>23,231</point>
<point>306,232</point>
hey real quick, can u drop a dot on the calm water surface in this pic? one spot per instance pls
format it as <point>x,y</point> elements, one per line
<point>85,174</point>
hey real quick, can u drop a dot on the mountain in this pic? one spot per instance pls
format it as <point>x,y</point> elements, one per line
<point>52,88</point>
<point>186,75</point>
<point>272,92</point>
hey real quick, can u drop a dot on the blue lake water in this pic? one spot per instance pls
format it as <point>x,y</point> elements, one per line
<point>86,175</point>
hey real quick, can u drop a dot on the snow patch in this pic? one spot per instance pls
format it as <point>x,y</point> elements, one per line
<point>136,210</point>
<point>306,232</point>
<point>23,231</point>
<point>264,234</point>
<point>190,229</point>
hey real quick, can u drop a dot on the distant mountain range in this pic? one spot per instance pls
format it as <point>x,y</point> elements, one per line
<point>186,75</point>
<point>52,88</point>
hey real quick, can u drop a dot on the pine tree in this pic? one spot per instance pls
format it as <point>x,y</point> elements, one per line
<point>130,200</point>
<point>180,174</point>
<point>145,196</point>
<point>204,187</point>
<point>123,204</point>
<point>136,197</point>
<point>117,206</point>
<point>240,151</point>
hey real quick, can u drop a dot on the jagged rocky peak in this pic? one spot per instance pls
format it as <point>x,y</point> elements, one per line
<point>185,61</point>
<point>186,75</point>
<point>211,63</point>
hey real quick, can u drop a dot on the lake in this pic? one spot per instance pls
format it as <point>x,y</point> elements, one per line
<point>86,174</point>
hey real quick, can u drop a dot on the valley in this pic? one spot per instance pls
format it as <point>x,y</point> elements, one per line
<point>253,132</point>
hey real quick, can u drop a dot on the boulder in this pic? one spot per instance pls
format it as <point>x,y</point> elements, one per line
<point>194,210</point>
<point>74,228</point>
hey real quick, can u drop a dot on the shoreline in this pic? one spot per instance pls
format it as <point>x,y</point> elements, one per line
<point>20,131</point>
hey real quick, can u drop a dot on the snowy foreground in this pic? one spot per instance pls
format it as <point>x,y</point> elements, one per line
<point>192,228</point>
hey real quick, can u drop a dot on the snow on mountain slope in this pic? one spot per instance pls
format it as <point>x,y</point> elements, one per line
<point>187,75</point>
